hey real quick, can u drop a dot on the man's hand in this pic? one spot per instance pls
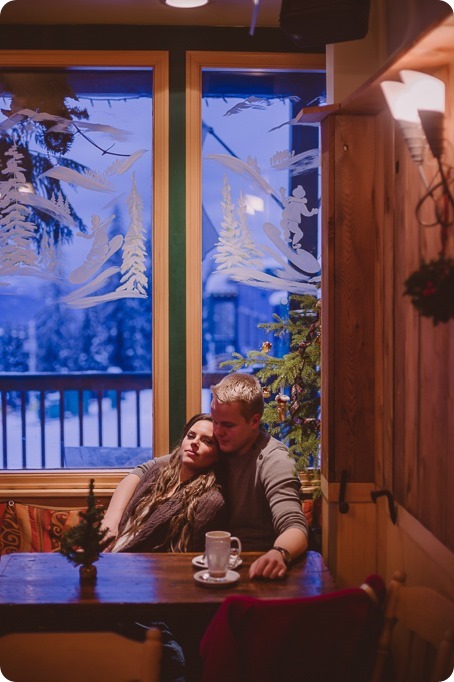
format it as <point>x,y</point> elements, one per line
<point>270,565</point>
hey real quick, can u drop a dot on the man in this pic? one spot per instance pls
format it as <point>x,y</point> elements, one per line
<point>262,488</point>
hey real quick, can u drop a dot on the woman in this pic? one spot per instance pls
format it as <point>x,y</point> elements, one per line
<point>179,498</point>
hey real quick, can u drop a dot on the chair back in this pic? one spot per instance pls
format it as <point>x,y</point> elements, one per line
<point>417,641</point>
<point>328,637</point>
<point>80,657</point>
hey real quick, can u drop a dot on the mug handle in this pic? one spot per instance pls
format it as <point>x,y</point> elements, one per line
<point>235,550</point>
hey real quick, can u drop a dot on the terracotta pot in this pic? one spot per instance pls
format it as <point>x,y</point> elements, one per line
<point>88,573</point>
<point>313,511</point>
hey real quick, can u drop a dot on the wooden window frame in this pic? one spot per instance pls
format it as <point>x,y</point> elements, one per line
<point>63,483</point>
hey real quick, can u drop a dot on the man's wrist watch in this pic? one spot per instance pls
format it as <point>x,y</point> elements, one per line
<point>285,554</point>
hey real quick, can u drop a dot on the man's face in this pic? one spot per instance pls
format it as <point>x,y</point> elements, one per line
<point>233,432</point>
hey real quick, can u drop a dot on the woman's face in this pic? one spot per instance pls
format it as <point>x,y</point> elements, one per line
<point>199,449</point>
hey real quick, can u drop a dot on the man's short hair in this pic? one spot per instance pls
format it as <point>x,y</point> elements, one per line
<point>242,388</point>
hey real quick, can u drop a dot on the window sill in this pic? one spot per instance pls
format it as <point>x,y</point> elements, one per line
<point>69,483</point>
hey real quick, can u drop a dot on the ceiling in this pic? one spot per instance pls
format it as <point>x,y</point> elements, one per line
<point>139,12</point>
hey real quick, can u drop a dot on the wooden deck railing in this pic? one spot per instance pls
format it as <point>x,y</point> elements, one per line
<point>16,389</point>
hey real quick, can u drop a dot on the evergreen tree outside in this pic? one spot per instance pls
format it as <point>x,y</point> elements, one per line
<point>291,383</point>
<point>93,352</point>
<point>127,325</point>
<point>56,331</point>
<point>13,354</point>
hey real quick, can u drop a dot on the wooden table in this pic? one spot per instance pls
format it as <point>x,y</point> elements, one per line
<point>43,591</point>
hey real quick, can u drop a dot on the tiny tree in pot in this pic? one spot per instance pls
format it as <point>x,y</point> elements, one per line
<point>83,544</point>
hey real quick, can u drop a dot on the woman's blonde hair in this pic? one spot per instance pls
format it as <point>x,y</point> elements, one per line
<point>182,524</point>
<point>242,388</point>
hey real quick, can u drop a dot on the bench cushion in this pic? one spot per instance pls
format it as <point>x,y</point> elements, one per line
<point>33,528</point>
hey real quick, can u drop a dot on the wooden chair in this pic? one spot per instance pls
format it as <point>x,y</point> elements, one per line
<point>417,641</point>
<point>80,657</point>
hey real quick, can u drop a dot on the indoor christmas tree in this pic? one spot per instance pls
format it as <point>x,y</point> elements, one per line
<point>291,384</point>
<point>82,544</point>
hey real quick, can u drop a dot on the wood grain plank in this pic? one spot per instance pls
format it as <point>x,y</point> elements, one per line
<point>354,282</point>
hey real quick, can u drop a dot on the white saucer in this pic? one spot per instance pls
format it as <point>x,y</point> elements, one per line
<point>200,561</point>
<point>203,578</point>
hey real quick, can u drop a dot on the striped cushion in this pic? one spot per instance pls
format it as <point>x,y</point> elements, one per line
<point>32,528</point>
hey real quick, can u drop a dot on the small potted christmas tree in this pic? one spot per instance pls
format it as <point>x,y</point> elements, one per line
<point>83,544</point>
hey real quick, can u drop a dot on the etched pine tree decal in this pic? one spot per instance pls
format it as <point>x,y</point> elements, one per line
<point>134,279</point>
<point>18,235</point>
<point>250,253</point>
<point>235,246</point>
<point>48,254</point>
<point>229,236</point>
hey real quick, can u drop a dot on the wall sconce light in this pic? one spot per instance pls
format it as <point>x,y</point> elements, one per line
<point>417,103</point>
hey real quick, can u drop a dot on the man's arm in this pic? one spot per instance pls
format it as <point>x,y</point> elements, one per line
<point>272,564</point>
<point>119,500</point>
<point>282,490</point>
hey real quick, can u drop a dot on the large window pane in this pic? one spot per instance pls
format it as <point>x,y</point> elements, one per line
<point>260,216</point>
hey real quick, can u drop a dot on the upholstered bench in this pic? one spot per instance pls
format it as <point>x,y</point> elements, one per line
<point>33,528</point>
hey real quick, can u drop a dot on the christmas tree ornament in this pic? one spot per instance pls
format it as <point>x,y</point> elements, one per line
<point>282,401</point>
<point>266,347</point>
<point>266,392</point>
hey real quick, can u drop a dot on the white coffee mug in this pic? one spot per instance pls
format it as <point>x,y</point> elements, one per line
<point>218,548</point>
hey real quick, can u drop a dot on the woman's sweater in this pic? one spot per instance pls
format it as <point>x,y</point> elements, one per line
<point>153,534</point>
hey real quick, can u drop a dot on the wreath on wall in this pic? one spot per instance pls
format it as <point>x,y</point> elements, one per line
<point>431,289</point>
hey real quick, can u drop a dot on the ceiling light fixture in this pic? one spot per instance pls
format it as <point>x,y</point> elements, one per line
<point>185,4</point>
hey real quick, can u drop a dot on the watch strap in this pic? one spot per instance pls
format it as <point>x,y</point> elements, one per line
<point>285,554</point>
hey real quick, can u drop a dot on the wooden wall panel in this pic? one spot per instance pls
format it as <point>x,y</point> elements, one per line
<point>328,300</point>
<point>423,362</point>
<point>407,19</point>
<point>384,304</point>
<point>353,287</point>
<point>389,373</point>
<point>406,350</point>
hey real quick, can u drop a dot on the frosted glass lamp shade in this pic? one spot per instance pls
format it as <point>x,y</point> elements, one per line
<point>405,113</point>
<point>418,104</point>
<point>400,102</point>
<point>427,92</point>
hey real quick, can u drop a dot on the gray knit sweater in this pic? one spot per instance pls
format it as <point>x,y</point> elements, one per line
<point>263,493</point>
